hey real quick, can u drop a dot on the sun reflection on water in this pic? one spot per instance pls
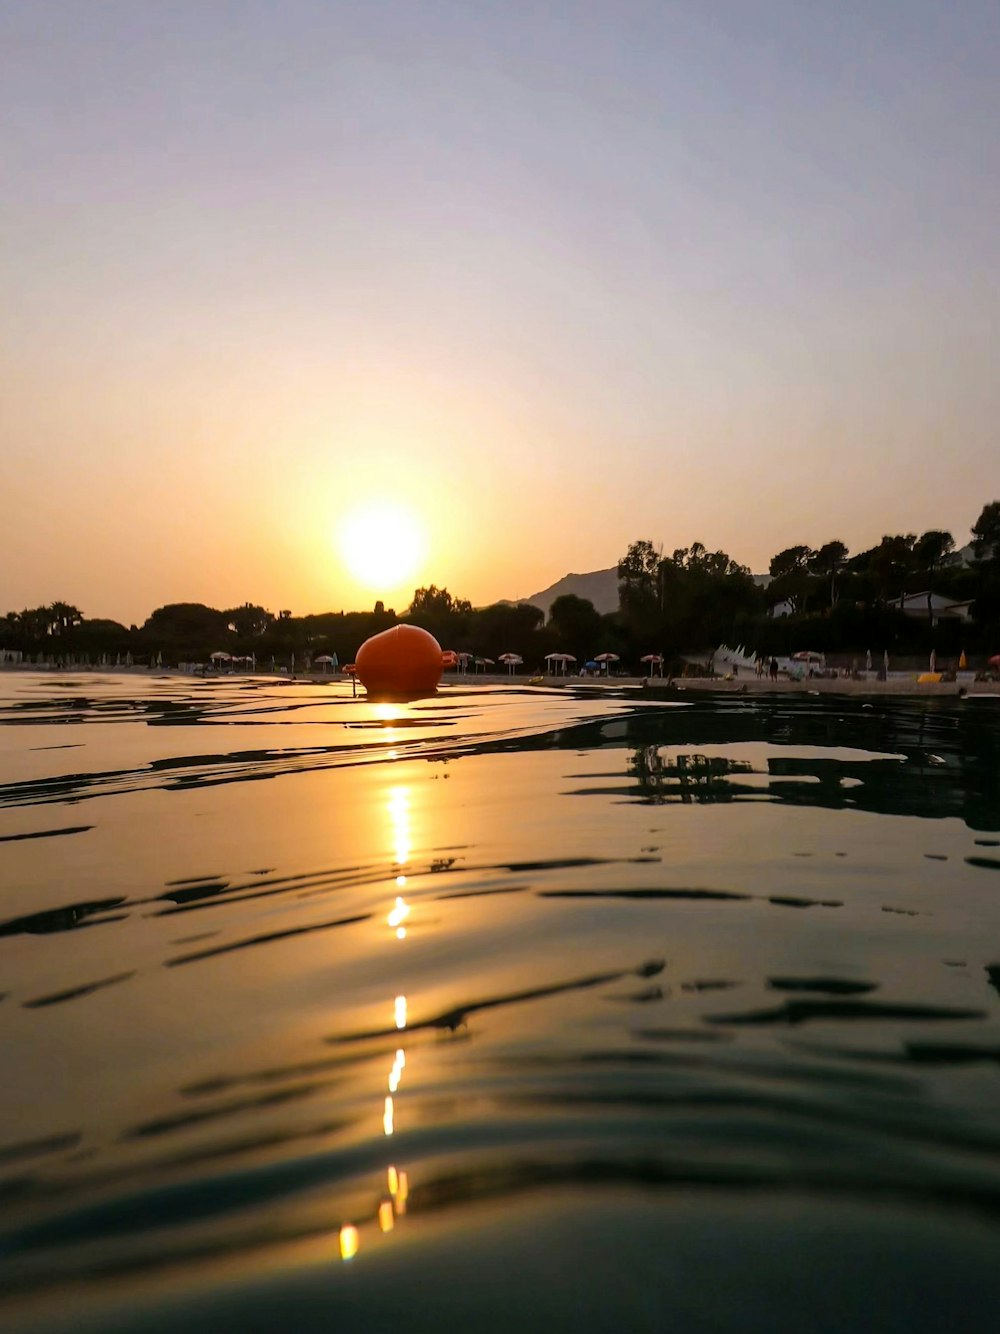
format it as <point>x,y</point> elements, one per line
<point>393,1207</point>
<point>399,818</point>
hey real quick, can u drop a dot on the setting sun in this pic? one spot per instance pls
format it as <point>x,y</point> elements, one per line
<point>382,546</point>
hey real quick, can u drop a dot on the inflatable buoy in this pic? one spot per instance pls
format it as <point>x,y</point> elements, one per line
<point>402,661</point>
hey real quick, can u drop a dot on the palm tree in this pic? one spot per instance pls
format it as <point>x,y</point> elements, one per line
<point>64,616</point>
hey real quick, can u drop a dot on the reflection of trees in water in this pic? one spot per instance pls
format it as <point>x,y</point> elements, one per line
<point>687,778</point>
<point>931,760</point>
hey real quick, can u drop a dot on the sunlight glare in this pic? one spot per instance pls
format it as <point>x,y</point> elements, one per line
<point>382,545</point>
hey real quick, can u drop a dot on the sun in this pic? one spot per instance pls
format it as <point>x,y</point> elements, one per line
<point>382,545</point>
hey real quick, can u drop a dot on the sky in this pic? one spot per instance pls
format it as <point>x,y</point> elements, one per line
<point>547,277</point>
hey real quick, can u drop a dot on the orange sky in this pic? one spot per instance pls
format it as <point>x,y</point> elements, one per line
<point>716,279</point>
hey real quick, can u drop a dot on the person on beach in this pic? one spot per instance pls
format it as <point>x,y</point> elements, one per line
<point>774,669</point>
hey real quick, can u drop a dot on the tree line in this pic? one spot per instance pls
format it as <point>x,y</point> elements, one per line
<point>835,602</point>
<point>683,603</point>
<point>191,631</point>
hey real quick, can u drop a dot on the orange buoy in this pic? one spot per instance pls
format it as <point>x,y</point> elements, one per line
<point>402,661</point>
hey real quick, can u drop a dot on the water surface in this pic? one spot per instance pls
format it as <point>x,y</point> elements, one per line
<point>509,1007</point>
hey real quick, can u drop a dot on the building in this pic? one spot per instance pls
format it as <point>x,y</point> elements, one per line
<point>940,608</point>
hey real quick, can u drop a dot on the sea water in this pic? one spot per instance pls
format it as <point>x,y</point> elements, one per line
<point>506,1009</point>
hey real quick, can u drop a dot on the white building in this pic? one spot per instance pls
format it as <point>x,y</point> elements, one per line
<point>941,608</point>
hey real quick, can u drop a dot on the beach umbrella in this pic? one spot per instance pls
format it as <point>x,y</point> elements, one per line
<point>449,658</point>
<point>607,659</point>
<point>808,655</point>
<point>868,661</point>
<point>933,663</point>
<point>654,660</point>
<point>511,660</point>
<point>219,656</point>
<point>560,660</point>
<point>324,658</point>
<point>885,661</point>
<point>994,661</point>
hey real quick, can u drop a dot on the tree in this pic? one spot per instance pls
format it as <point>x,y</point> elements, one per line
<point>577,622</point>
<point>434,609</point>
<point>986,533</point>
<point>186,627</point>
<point>829,561</point>
<point>793,560</point>
<point>35,622</point>
<point>716,564</point>
<point>437,602</point>
<point>505,627</point>
<point>933,549</point>
<point>639,586</point>
<point>889,565</point>
<point>249,621</point>
<point>64,616</point>
<point>789,571</point>
<point>986,545</point>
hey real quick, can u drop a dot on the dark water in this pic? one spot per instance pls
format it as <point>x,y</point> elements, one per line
<point>561,1011</point>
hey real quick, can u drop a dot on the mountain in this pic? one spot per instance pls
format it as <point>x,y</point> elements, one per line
<point>599,587</point>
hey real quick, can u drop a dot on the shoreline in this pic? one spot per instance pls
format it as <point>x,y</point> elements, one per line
<point>655,688</point>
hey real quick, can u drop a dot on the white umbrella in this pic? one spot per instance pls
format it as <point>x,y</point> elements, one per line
<point>607,659</point>
<point>560,659</point>
<point>219,656</point>
<point>933,660</point>
<point>868,661</point>
<point>512,660</point>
